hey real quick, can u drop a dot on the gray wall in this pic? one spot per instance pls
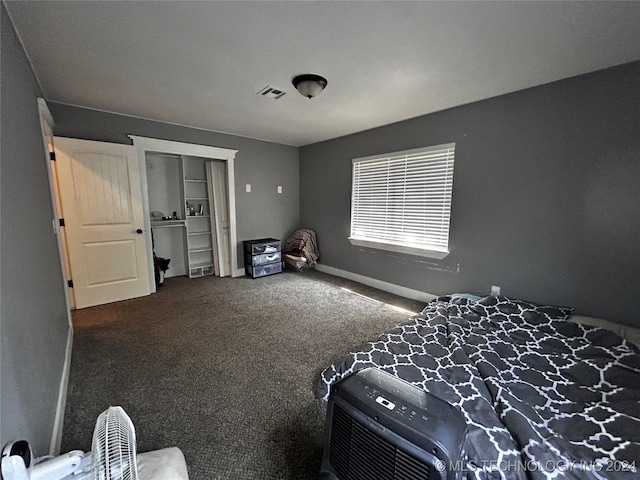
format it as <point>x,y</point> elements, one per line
<point>264,165</point>
<point>34,323</point>
<point>546,200</point>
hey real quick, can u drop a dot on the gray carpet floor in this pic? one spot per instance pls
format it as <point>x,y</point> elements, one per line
<point>223,368</point>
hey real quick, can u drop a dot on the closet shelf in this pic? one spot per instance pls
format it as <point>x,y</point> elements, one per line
<point>197,250</point>
<point>167,223</point>
<point>201,265</point>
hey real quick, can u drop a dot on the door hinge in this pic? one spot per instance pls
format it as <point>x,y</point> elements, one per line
<point>62,222</point>
<point>52,156</point>
<point>70,283</point>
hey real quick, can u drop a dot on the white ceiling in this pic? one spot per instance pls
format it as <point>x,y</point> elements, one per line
<point>201,63</point>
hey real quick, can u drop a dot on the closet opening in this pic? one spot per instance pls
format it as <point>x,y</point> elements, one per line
<point>189,205</point>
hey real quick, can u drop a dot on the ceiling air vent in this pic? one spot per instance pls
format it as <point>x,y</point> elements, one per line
<point>271,92</point>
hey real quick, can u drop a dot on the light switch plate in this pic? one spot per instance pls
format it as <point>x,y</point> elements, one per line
<point>279,188</point>
<point>248,188</point>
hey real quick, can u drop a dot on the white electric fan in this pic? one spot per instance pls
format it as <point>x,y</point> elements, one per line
<point>112,457</point>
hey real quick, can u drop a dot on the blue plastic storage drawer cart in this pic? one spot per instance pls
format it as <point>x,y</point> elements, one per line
<point>262,257</point>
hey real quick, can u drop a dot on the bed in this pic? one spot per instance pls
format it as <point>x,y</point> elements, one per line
<point>544,397</point>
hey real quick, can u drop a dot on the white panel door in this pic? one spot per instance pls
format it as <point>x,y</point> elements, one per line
<point>219,206</point>
<point>102,207</point>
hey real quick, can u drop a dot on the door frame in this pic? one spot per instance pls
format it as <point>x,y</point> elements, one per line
<point>147,144</point>
<point>46,126</point>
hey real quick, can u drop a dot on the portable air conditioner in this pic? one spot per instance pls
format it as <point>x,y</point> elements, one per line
<point>380,427</point>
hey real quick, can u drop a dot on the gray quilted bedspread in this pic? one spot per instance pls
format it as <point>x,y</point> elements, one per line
<point>543,398</point>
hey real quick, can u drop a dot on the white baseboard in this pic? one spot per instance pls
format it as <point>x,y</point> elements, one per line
<point>56,434</point>
<point>379,284</point>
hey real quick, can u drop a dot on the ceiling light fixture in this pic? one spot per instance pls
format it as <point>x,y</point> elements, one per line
<point>309,85</point>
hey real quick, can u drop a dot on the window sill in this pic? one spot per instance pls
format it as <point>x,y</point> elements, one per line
<point>421,252</point>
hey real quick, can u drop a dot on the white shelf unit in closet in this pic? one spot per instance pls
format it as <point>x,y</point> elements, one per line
<point>197,215</point>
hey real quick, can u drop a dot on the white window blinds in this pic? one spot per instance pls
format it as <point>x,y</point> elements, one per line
<point>402,201</point>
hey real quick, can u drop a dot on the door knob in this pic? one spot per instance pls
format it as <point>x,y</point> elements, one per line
<point>139,231</point>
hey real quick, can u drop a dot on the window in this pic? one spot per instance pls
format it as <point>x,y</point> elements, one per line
<point>402,201</point>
